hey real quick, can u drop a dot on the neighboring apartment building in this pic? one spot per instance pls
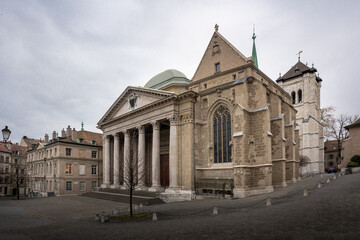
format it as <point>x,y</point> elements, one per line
<point>5,168</point>
<point>351,145</point>
<point>13,171</point>
<point>70,164</point>
<point>331,154</point>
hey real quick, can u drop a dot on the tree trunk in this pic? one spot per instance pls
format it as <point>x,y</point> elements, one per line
<point>131,193</point>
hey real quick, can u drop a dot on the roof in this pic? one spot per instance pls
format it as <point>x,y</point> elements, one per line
<point>90,136</point>
<point>356,123</point>
<point>20,149</point>
<point>166,78</point>
<point>331,146</point>
<point>298,70</point>
<point>3,148</point>
<point>30,141</point>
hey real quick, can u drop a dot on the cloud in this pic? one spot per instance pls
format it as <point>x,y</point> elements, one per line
<point>63,62</point>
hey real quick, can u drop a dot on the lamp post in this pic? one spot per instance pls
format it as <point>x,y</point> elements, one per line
<point>6,133</point>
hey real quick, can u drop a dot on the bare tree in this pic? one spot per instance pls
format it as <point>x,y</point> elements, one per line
<point>134,174</point>
<point>19,175</point>
<point>334,127</point>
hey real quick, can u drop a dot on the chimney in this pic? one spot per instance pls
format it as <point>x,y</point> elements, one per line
<point>62,133</point>
<point>74,135</point>
<point>54,135</point>
<point>46,138</point>
<point>68,131</point>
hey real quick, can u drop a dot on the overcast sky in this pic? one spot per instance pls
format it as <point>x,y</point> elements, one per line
<point>63,62</point>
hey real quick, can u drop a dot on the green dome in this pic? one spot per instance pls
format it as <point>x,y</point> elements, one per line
<point>166,78</point>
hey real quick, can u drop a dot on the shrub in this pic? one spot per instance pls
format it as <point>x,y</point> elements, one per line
<point>355,158</point>
<point>353,164</point>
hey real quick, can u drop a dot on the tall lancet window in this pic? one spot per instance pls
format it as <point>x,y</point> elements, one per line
<point>293,97</point>
<point>300,96</point>
<point>222,135</point>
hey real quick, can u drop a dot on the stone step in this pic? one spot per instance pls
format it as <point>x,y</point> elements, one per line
<point>126,192</point>
<point>119,197</point>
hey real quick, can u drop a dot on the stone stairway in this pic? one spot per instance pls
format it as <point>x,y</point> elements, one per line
<point>120,195</point>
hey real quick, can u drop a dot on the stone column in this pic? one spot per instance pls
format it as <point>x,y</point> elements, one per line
<point>173,152</point>
<point>126,155</point>
<point>116,161</point>
<point>155,157</point>
<point>106,168</point>
<point>141,157</point>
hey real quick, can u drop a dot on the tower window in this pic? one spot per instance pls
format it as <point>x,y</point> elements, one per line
<point>300,95</point>
<point>293,97</point>
<point>217,67</point>
<point>234,76</point>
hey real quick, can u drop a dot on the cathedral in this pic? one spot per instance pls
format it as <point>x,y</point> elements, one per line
<point>228,130</point>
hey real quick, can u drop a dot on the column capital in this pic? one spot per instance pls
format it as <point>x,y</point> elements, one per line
<point>116,136</point>
<point>155,124</point>
<point>141,129</point>
<point>172,119</point>
<point>107,138</point>
<point>126,132</point>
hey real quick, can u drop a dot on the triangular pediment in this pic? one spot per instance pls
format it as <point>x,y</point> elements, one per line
<point>220,51</point>
<point>133,99</point>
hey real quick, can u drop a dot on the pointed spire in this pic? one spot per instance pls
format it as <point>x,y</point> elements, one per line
<point>254,55</point>
<point>82,126</point>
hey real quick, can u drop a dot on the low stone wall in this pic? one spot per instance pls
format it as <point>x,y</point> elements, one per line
<point>354,170</point>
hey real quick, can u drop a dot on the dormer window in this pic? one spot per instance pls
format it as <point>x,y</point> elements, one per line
<point>217,67</point>
<point>81,140</point>
<point>93,142</point>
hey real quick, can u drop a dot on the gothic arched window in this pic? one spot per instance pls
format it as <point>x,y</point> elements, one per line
<point>293,97</point>
<point>222,135</point>
<point>300,96</point>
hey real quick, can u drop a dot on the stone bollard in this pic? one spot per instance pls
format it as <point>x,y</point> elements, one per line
<point>215,211</point>
<point>306,192</point>
<point>136,207</point>
<point>328,180</point>
<point>154,218</point>
<point>97,217</point>
<point>102,219</point>
<point>319,185</point>
<point>141,205</point>
<point>334,177</point>
<point>268,202</point>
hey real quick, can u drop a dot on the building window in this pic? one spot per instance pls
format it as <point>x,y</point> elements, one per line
<point>217,67</point>
<point>81,169</point>
<point>222,135</point>
<point>293,97</point>
<point>205,86</point>
<point>331,156</point>
<point>7,160</point>
<point>55,186</point>
<point>82,186</point>
<point>93,142</point>
<point>93,169</point>
<point>93,154</point>
<point>50,152</point>
<point>55,151</point>
<point>234,76</point>
<point>68,168</point>
<point>331,164</point>
<point>68,186</point>
<point>300,96</point>
<point>68,151</point>
<point>93,185</point>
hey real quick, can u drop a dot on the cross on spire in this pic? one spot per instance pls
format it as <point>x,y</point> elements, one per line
<point>216,27</point>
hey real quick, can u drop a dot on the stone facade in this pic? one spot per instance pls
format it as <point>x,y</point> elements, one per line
<point>304,87</point>
<point>331,154</point>
<point>71,164</point>
<point>351,145</point>
<point>230,129</point>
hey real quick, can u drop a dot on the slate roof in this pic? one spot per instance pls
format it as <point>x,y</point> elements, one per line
<point>30,141</point>
<point>356,123</point>
<point>298,70</point>
<point>90,136</point>
<point>21,149</point>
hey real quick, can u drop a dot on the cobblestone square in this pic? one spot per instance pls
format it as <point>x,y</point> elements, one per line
<point>329,212</point>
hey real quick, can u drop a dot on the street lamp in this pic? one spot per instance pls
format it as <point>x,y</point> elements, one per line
<point>6,133</point>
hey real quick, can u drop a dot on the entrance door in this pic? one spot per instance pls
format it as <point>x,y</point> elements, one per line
<point>5,191</point>
<point>164,170</point>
